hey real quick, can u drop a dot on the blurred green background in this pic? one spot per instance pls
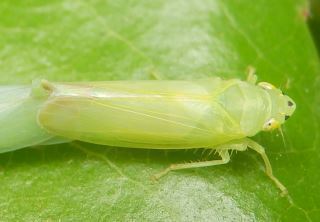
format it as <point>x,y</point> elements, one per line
<point>66,40</point>
<point>314,21</point>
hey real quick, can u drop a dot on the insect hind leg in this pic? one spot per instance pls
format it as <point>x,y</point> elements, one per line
<point>225,158</point>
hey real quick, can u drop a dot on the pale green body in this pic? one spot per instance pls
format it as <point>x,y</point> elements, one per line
<point>137,114</point>
<point>212,113</point>
<point>18,123</point>
<point>19,108</point>
<point>156,114</point>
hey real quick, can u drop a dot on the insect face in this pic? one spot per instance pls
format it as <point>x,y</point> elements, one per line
<point>290,107</point>
<point>282,107</point>
<point>287,108</point>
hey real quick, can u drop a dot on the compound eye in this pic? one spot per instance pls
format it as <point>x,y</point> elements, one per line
<point>290,103</point>
<point>266,85</point>
<point>271,124</point>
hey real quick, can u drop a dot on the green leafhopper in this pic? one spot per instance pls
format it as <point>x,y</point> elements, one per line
<point>164,114</point>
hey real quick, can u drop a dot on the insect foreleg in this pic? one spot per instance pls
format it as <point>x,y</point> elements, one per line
<point>242,145</point>
<point>225,158</point>
<point>252,77</point>
<point>258,148</point>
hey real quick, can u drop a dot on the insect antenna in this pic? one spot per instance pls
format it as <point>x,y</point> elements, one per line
<point>282,136</point>
<point>285,84</point>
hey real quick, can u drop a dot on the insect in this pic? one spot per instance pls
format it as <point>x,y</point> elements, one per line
<point>166,114</point>
<point>19,107</point>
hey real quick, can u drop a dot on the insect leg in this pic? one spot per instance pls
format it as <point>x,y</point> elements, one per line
<point>252,77</point>
<point>155,75</point>
<point>258,148</point>
<point>224,159</point>
<point>242,145</point>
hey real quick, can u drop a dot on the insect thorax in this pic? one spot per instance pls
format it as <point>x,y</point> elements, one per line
<point>248,105</point>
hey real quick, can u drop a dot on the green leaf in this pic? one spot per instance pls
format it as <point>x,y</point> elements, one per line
<point>314,21</point>
<point>105,40</point>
